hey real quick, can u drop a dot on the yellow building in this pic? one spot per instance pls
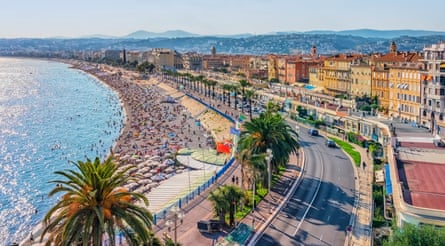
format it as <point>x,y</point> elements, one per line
<point>379,86</point>
<point>272,69</point>
<point>360,79</point>
<point>336,74</point>
<point>405,93</point>
<point>380,66</point>
<point>316,76</point>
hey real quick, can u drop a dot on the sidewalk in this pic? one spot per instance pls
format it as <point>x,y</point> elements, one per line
<point>266,210</point>
<point>361,220</point>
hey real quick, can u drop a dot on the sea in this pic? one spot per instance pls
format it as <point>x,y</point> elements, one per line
<point>51,115</point>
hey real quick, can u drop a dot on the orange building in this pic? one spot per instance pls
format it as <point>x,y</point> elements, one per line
<point>380,66</point>
<point>405,92</point>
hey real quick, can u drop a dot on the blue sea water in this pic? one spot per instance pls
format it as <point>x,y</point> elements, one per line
<point>50,115</point>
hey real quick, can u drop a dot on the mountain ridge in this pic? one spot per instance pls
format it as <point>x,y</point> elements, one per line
<point>364,32</point>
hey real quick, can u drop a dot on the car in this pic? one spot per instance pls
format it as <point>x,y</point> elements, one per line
<point>313,132</point>
<point>210,226</point>
<point>331,144</point>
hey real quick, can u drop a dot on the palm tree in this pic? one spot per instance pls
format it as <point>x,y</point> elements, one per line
<point>199,80</point>
<point>224,199</point>
<point>252,165</point>
<point>270,131</point>
<point>249,95</point>
<point>235,90</point>
<point>212,84</point>
<point>244,83</point>
<point>227,88</point>
<point>95,204</point>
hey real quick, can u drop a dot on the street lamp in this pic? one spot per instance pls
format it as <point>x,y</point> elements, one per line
<point>177,215</point>
<point>269,170</point>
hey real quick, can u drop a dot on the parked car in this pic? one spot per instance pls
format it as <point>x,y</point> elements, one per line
<point>210,226</point>
<point>313,132</point>
<point>331,144</point>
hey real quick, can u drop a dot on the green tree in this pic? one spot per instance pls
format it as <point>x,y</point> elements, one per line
<point>227,88</point>
<point>270,131</point>
<point>224,199</point>
<point>94,204</point>
<point>252,165</point>
<point>243,83</point>
<point>212,84</point>
<point>417,235</point>
<point>249,95</point>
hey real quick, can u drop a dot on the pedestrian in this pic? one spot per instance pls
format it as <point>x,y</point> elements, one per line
<point>367,152</point>
<point>233,179</point>
<point>31,238</point>
<point>364,165</point>
<point>237,180</point>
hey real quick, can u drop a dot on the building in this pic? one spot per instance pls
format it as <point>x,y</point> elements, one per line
<point>360,79</point>
<point>380,65</point>
<point>113,55</point>
<point>134,57</point>
<point>257,68</point>
<point>163,58</point>
<point>272,67</point>
<point>337,74</point>
<point>405,92</point>
<point>433,88</point>
<point>192,61</point>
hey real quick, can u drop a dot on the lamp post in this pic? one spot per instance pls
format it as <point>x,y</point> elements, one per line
<point>269,174</point>
<point>269,170</point>
<point>177,215</point>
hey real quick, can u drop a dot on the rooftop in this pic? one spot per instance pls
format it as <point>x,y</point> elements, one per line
<point>421,167</point>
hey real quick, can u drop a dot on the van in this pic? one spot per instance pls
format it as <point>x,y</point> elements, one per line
<point>210,226</point>
<point>313,132</point>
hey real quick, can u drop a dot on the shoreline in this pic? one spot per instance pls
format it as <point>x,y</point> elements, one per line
<point>149,126</point>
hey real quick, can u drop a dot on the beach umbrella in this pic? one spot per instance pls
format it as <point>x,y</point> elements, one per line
<point>157,177</point>
<point>169,162</point>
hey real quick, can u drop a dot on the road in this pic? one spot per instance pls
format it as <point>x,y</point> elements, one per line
<point>319,211</point>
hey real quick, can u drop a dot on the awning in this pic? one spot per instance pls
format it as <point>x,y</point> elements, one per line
<point>388,185</point>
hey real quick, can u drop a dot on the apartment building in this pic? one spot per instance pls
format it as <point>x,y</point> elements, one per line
<point>405,92</point>
<point>134,56</point>
<point>239,63</point>
<point>272,67</point>
<point>433,88</point>
<point>360,79</point>
<point>192,61</point>
<point>163,58</point>
<point>257,67</point>
<point>337,74</point>
<point>380,66</point>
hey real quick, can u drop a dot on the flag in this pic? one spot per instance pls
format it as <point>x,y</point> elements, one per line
<point>234,131</point>
<point>222,148</point>
<point>241,118</point>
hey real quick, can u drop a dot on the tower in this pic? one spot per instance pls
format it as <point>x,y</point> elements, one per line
<point>313,51</point>
<point>213,50</point>
<point>393,47</point>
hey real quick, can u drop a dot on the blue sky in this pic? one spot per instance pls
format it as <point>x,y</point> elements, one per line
<point>50,18</point>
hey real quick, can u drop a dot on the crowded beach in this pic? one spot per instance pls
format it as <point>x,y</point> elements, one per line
<point>159,122</point>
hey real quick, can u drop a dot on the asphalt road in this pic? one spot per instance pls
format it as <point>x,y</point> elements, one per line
<point>319,211</point>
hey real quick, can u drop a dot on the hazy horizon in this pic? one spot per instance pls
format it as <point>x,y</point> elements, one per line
<point>49,18</point>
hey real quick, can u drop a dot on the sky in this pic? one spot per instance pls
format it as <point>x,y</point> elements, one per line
<point>76,18</point>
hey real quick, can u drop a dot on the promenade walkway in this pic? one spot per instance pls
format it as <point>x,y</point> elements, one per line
<point>361,220</point>
<point>177,186</point>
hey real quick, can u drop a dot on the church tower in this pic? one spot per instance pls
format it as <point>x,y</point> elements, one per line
<point>313,51</point>
<point>393,47</point>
